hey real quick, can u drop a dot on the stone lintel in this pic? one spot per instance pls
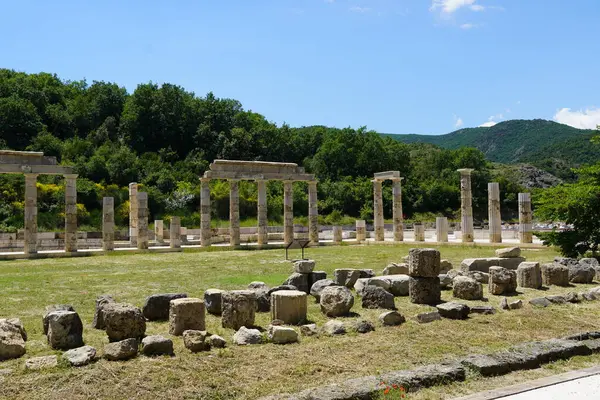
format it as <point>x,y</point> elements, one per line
<point>391,175</point>
<point>253,176</point>
<point>255,167</point>
<point>25,157</point>
<point>465,171</point>
<point>35,169</point>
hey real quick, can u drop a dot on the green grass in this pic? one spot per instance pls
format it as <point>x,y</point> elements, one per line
<point>26,287</point>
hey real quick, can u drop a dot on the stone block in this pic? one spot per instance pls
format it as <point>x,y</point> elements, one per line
<point>380,281</point>
<point>65,330</point>
<point>366,273</point>
<point>391,318</point>
<point>245,336</point>
<point>157,345</point>
<point>123,321</point>
<point>304,266</point>
<point>122,350</point>
<point>263,301</point>
<point>396,269</point>
<point>424,263</point>
<point>484,264</point>
<point>425,290</point>
<point>529,275</point>
<point>374,297</point>
<point>398,284</point>
<point>333,327</point>
<point>156,307</point>
<point>427,317</point>
<point>485,310</point>
<point>282,334</point>
<point>555,274</point>
<point>252,286</point>
<point>346,277</point>
<point>541,302</point>
<point>502,281</point>
<point>362,326</point>
<point>217,342</point>
<point>510,252</point>
<point>101,301</point>
<point>289,306</point>
<point>38,363</point>
<point>336,301</point>
<point>238,309</point>
<point>453,310</point>
<point>186,314</point>
<point>195,341</point>
<point>466,288</point>
<point>309,330</point>
<point>300,281</point>
<point>12,342</point>
<point>319,285</point>
<point>445,266</point>
<point>581,273</point>
<point>80,356</point>
<point>316,276</point>
<point>52,308</point>
<point>212,301</point>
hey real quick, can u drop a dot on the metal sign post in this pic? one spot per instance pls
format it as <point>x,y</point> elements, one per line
<point>297,244</point>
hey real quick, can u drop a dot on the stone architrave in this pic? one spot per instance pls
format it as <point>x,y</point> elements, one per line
<point>378,211</point>
<point>313,213</point>
<point>234,212</point>
<point>159,231</point>
<point>31,214</point>
<point>133,215</point>
<point>466,206</point>
<point>175,233</point>
<point>70,213</point>
<point>263,222</point>
<point>419,232</point>
<point>337,234</point>
<point>361,230</point>
<point>288,212</point>
<point>205,234</point>
<point>108,223</point>
<point>397,210</point>
<point>525,218</point>
<point>495,219</point>
<point>142,221</point>
<point>441,229</point>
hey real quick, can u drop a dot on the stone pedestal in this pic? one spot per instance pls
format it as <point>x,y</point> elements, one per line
<point>174,233</point>
<point>205,234</point>
<point>495,219</point>
<point>108,223</point>
<point>133,215</point>
<point>70,213</point>
<point>234,213</point>
<point>525,218</point>
<point>313,213</point>
<point>441,229</point>
<point>263,222</point>
<point>361,230</point>
<point>529,275</point>
<point>466,206</point>
<point>288,212</point>
<point>419,232</point>
<point>397,210</point>
<point>337,234</point>
<point>238,308</point>
<point>184,314</point>
<point>30,214</point>
<point>289,306</point>
<point>378,211</point>
<point>159,229</point>
<point>142,221</point>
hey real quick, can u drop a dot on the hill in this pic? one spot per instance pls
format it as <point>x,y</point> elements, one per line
<point>549,145</point>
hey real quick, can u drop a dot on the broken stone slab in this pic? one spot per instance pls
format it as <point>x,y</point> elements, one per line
<point>428,317</point>
<point>391,318</point>
<point>453,310</point>
<point>362,326</point>
<point>509,252</point>
<point>484,264</point>
<point>557,299</point>
<point>309,330</point>
<point>540,302</point>
<point>515,305</point>
<point>212,301</point>
<point>52,308</point>
<point>584,336</point>
<point>334,328</point>
<point>304,266</point>
<point>593,345</point>
<point>485,310</point>
<point>346,276</point>
<point>426,376</point>
<point>375,297</point>
<point>37,363</point>
<point>195,340</point>
<point>396,269</point>
<point>424,263</point>
<point>156,307</point>
<point>157,345</point>
<point>282,334</point>
<point>80,356</point>
<point>551,350</point>
<point>245,336</point>
<point>122,350</point>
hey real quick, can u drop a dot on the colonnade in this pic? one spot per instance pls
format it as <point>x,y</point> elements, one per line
<point>379,221</point>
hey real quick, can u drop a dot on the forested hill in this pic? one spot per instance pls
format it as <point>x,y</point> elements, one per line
<point>546,144</point>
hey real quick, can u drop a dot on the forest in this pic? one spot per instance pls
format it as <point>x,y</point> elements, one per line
<point>164,138</point>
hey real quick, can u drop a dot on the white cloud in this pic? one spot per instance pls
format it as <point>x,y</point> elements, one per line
<point>488,124</point>
<point>458,122</point>
<point>450,6</point>
<point>582,119</point>
<point>492,120</point>
<point>468,26</point>
<point>358,9</point>
<point>477,7</point>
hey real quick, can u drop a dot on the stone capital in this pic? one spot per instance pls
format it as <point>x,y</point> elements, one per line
<point>70,176</point>
<point>465,171</point>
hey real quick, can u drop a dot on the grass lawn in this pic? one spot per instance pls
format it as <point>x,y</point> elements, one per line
<point>26,287</point>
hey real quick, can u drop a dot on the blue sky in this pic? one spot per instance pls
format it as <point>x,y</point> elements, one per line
<point>396,66</point>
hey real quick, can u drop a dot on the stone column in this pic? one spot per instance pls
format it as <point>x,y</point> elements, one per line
<point>175,233</point>
<point>108,223</point>
<point>337,234</point>
<point>263,222</point>
<point>234,212</point>
<point>70,213</point>
<point>288,212</point>
<point>361,230</point>
<point>142,221</point>
<point>313,213</point>
<point>30,214</point>
<point>133,215</point>
<point>419,232</point>
<point>159,231</point>
<point>466,205</point>
<point>183,236</point>
<point>378,211</point>
<point>441,229</point>
<point>525,218</point>
<point>205,235</point>
<point>494,217</point>
<point>397,209</point>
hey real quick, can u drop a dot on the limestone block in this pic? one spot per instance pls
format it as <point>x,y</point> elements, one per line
<point>238,309</point>
<point>398,285</point>
<point>316,276</point>
<point>12,343</point>
<point>467,288</point>
<point>484,264</point>
<point>184,314</point>
<point>300,281</point>
<point>123,321</point>
<point>101,301</point>
<point>157,345</point>
<point>396,269</point>
<point>581,273</point>
<point>283,334</point>
<point>38,363</point>
<point>51,309</point>
<point>374,297</point>
<point>362,283</point>
<point>212,301</point>
<point>424,263</point>
<point>80,356</point>
<point>195,341</point>
<point>346,276</point>
<point>425,290</point>
<point>245,336</point>
<point>509,252</point>
<point>304,266</point>
<point>391,318</point>
<point>65,330</point>
<point>336,301</point>
<point>289,306</point>
<point>123,350</point>
<point>453,310</point>
<point>529,275</point>
<point>318,287</point>
<point>156,307</point>
<point>502,281</point>
<point>555,274</point>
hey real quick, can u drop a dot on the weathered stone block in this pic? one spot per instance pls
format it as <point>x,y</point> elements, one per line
<point>245,336</point>
<point>467,288</point>
<point>304,266</point>
<point>51,309</point>
<point>318,287</point>
<point>484,264</point>
<point>581,273</point>
<point>157,345</point>
<point>425,290</point>
<point>316,276</point>
<point>502,281</point>
<point>195,341</point>
<point>238,309</point>
<point>156,307</point>
<point>427,317</point>
<point>12,342</point>
<point>396,269</point>
<point>391,318</point>
<point>123,321</point>
<point>336,301</point>
<point>289,306</point>
<point>212,301</point>
<point>510,252</point>
<point>38,363</point>
<point>80,356</point>
<point>346,276</point>
<point>186,314</point>
<point>453,310</point>
<point>529,275</point>
<point>333,327</point>
<point>300,281</point>
<point>366,273</point>
<point>101,301</point>
<point>282,334</point>
<point>65,330</point>
<point>123,350</point>
<point>555,274</point>
<point>424,263</point>
<point>375,297</point>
